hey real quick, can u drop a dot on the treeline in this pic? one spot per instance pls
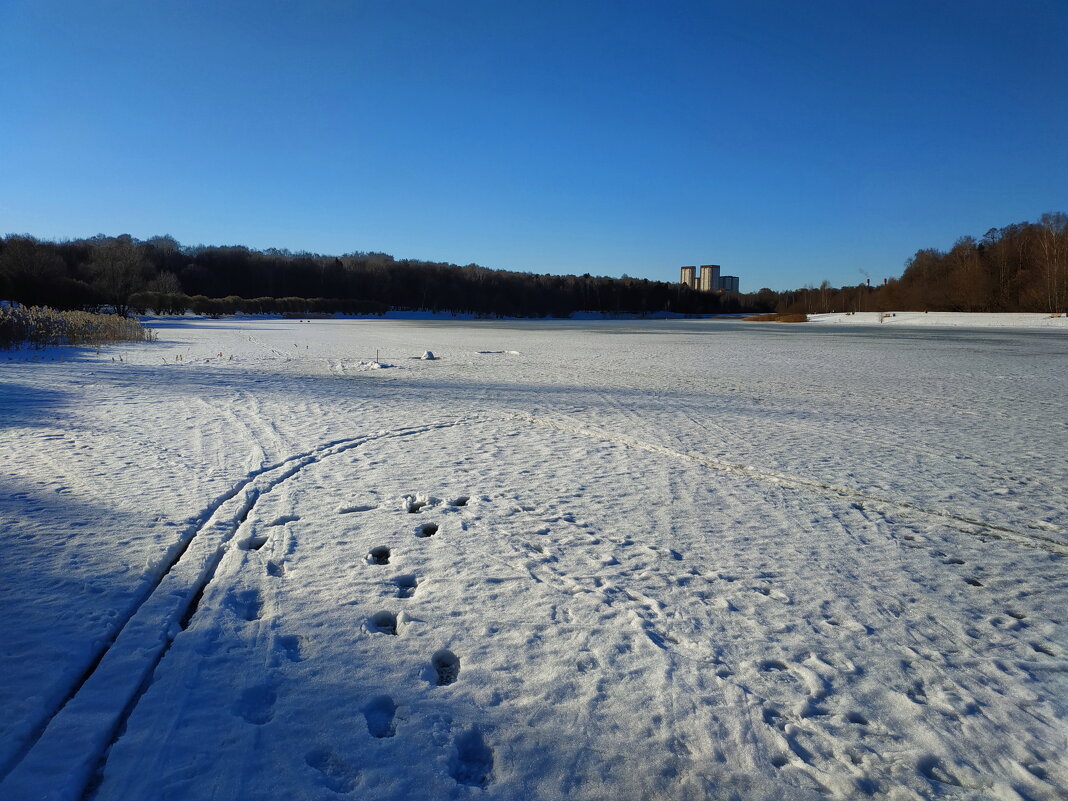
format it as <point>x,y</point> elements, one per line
<point>160,275</point>
<point>1021,267</point>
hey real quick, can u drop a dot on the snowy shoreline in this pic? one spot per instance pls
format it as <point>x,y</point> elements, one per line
<point>1020,320</point>
<point>1010,320</point>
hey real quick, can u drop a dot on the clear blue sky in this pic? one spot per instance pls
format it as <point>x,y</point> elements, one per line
<point>790,142</point>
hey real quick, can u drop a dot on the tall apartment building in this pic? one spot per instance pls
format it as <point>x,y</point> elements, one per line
<point>708,280</point>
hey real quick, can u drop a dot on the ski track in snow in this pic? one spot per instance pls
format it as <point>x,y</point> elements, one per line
<point>606,590</point>
<point>100,701</point>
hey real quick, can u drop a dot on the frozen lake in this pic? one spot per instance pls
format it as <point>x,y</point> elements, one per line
<point>669,559</point>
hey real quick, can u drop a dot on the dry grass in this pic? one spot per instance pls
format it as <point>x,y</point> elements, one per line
<point>40,326</point>
<point>777,318</point>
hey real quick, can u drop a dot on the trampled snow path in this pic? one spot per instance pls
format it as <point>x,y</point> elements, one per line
<point>629,584</point>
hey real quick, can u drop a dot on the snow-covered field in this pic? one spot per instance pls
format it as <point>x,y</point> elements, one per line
<point>606,560</point>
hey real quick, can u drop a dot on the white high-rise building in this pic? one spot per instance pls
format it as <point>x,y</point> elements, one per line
<point>708,279</point>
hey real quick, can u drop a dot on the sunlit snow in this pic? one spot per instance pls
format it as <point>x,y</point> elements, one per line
<point>584,560</point>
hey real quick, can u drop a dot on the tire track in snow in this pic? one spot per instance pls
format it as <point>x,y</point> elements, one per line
<point>63,752</point>
<point>782,479</point>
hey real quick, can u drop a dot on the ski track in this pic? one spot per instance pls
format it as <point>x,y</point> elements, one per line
<point>103,698</point>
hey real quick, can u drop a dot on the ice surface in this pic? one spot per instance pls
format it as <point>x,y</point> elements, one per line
<point>1016,320</point>
<point>672,559</point>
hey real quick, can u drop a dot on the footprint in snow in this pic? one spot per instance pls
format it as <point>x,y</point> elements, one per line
<point>281,521</point>
<point>334,772</point>
<point>407,585</point>
<point>383,622</point>
<point>416,503</point>
<point>276,569</point>
<point>380,713</point>
<point>291,646</point>
<point>253,543</point>
<point>446,667</point>
<point>1039,648</point>
<point>471,762</point>
<point>426,530</point>
<point>246,604</point>
<point>378,555</point>
<point>931,768</point>
<point>347,510</point>
<point>256,704</point>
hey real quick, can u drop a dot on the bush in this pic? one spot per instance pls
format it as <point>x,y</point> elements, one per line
<point>41,326</point>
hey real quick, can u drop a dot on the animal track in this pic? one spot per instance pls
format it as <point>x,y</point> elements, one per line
<point>427,530</point>
<point>407,585</point>
<point>446,666</point>
<point>378,555</point>
<point>276,569</point>
<point>472,760</point>
<point>461,501</point>
<point>337,774</point>
<point>384,622</point>
<point>379,713</point>
<point>256,704</point>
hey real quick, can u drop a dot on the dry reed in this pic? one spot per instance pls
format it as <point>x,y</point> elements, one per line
<point>40,327</point>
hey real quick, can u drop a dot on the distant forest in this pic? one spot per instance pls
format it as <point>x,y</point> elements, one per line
<point>1021,267</point>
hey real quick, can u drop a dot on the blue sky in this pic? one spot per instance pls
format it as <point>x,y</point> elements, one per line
<point>789,142</point>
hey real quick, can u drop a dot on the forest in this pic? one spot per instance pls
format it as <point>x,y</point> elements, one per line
<point>1018,268</point>
<point>1021,267</point>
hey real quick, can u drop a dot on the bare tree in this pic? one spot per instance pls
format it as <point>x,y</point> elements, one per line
<point>118,268</point>
<point>1053,246</point>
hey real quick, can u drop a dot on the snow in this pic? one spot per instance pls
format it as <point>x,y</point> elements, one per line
<point>945,319</point>
<point>645,559</point>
